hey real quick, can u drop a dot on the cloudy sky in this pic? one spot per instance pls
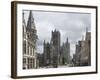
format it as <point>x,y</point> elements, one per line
<point>71,25</point>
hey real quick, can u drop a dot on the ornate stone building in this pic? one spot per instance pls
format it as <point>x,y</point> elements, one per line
<point>54,54</point>
<point>29,43</point>
<point>52,50</point>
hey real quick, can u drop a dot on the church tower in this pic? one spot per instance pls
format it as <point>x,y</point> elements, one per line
<point>56,44</point>
<point>31,39</point>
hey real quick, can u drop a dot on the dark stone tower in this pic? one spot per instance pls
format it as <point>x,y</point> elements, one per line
<point>56,44</point>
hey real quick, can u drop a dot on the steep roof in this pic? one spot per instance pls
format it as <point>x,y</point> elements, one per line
<point>30,23</point>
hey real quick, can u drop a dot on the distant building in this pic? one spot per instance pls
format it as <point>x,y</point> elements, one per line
<point>55,39</point>
<point>65,52</point>
<point>54,54</point>
<point>29,43</point>
<point>82,56</point>
<point>77,53</point>
<point>47,54</point>
<point>85,58</point>
<point>40,62</point>
<point>52,50</point>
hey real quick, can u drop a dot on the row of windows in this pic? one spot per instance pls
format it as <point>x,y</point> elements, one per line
<point>28,63</point>
<point>29,49</point>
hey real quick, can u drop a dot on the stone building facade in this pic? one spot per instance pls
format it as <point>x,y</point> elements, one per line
<point>82,56</point>
<point>29,43</point>
<point>77,53</point>
<point>47,54</point>
<point>55,40</point>
<point>52,50</point>
<point>54,54</point>
<point>65,53</point>
<point>85,58</point>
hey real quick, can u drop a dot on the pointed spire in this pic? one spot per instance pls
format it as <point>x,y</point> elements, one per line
<point>55,30</point>
<point>23,20</point>
<point>67,40</point>
<point>30,23</point>
<point>44,41</point>
<point>86,29</point>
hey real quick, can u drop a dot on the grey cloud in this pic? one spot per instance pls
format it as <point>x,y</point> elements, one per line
<point>71,25</point>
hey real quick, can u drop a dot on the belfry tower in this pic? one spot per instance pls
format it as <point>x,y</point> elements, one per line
<point>56,44</point>
<point>30,40</point>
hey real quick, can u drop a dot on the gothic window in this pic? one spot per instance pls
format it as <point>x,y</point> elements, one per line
<point>33,62</point>
<point>33,51</point>
<point>24,60</point>
<point>29,50</point>
<point>24,63</point>
<point>24,47</point>
<point>28,63</point>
